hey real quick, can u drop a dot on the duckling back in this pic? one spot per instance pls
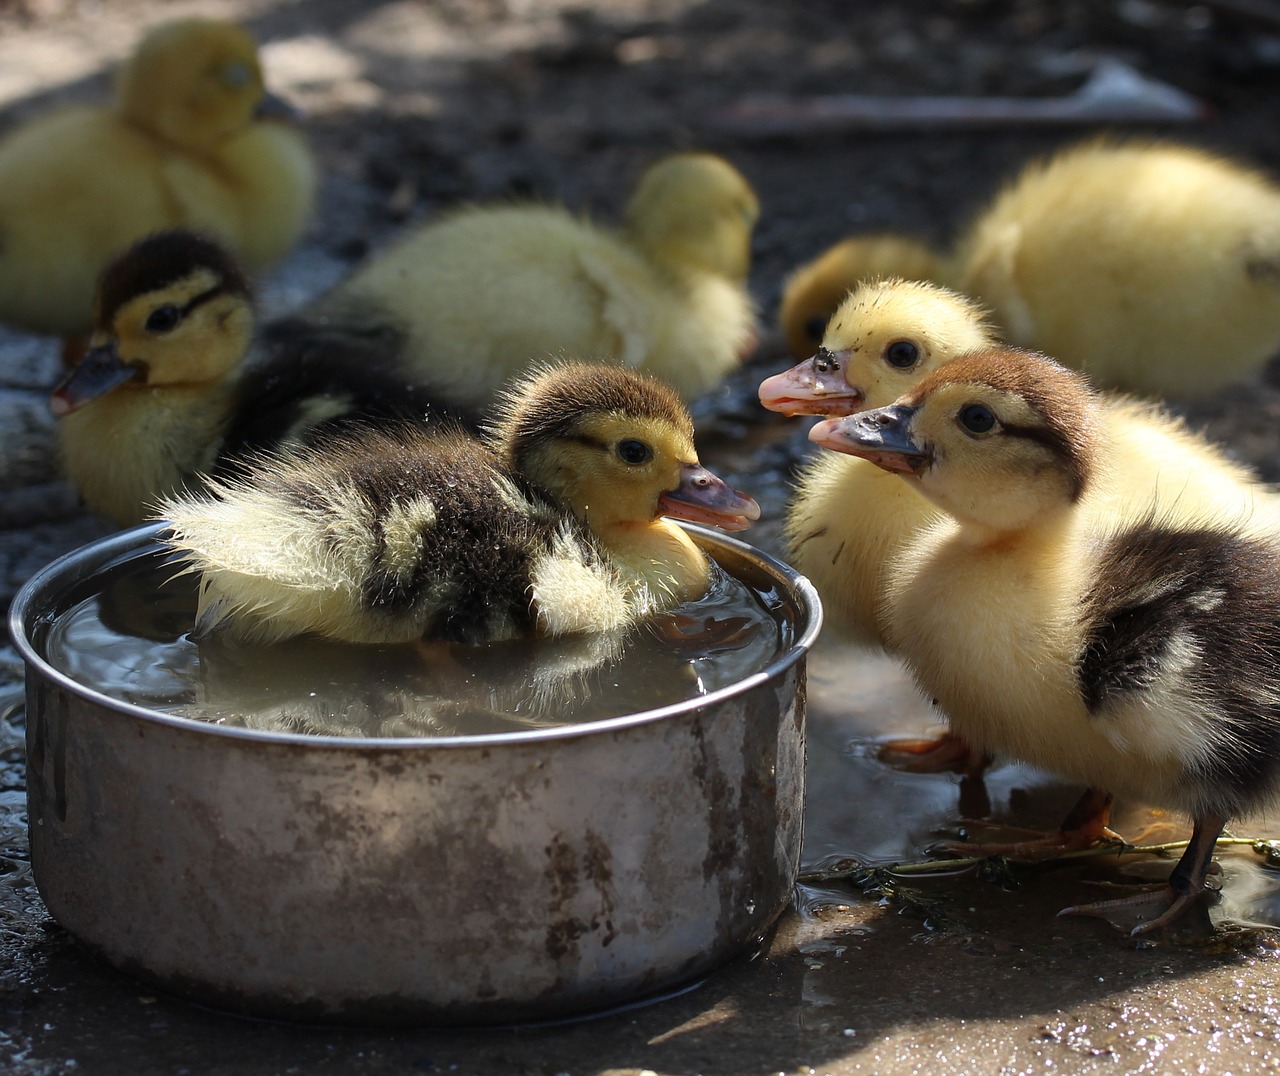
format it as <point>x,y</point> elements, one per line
<point>1151,267</point>
<point>390,536</point>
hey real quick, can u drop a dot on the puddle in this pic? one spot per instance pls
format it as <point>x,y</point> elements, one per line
<point>861,810</point>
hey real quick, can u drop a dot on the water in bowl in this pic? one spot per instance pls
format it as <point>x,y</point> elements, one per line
<point>129,639</point>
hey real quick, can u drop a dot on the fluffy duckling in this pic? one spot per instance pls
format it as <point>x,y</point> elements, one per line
<point>189,141</point>
<point>1154,268</point>
<point>174,386</point>
<point>812,293</point>
<point>555,526</point>
<point>882,341</point>
<point>485,291</point>
<point>1127,644</point>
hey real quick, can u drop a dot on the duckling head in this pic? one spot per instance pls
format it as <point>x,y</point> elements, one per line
<point>884,337</point>
<point>1001,439</point>
<point>194,82</point>
<point>815,291</point>
<point>173,310</point>
<point>695,210</point>
<point>616,447</point>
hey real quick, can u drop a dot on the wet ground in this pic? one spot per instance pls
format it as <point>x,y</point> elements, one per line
<point>416,105</point>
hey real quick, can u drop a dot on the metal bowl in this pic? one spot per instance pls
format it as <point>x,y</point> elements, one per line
<point>474,879</point>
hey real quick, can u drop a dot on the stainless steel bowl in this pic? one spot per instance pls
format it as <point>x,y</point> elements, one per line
<point>424,881</point>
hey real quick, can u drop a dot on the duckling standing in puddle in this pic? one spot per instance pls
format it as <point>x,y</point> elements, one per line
<point>849,518</point>
<point>174,384</point>
<point>1125,642</point>
<point>193,139</point>
<point>553,526</point>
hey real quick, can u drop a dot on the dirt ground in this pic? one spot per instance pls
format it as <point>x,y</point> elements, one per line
<point>417,105</point>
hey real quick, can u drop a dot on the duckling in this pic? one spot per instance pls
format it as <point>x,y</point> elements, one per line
<point>554,525</point>
<point>174,384</point>
<point>190,139</point>
<point>1127,643</point>
<point>812,292</point>
<point>485,291</point>
<point>1152,267</point>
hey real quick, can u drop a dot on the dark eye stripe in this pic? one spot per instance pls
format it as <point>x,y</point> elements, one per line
<point>1057,443</point>
<point>202,298</point>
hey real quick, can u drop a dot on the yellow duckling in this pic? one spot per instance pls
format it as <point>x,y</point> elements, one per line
<point>555,526</point>
<point>1153,268</point>
<point>487,290</point>
<point>1126,642</point>
<point>188,142</point>
<point>174,386</point>
<point>812,293</point>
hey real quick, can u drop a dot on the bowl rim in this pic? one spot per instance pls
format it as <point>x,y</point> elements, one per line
<point>102,551</point>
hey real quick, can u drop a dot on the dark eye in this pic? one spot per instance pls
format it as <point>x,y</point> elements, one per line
<point>634,452</point>
<point>237,75</point>
<point>902,354</point>
<point>976,418</point>
<point>815,327</point>
<point>163,318</point>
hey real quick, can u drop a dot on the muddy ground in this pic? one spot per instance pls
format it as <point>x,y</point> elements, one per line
<point>415,106</point>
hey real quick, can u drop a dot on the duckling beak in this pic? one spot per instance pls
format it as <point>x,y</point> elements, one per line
<point>815,387</point>
<point>701,497</point>
<point>274,107</point>
<point>100,371</point>
<point>882,437</point>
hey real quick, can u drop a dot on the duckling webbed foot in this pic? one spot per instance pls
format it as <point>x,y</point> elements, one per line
<point>1187,885</point>
<point>946,753</point>
<point>1084,826</point>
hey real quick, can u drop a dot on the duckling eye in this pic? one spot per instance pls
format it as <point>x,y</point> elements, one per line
<point>163,319</point>
<point>815,327</point>
<point>977,419</point>
<point>634,452</point>
<point>902,354</point>
<point>236,75</point>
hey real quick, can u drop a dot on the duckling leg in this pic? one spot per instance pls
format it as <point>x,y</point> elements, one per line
<point>1084,826</point>
<point>1185,887</point>
<point>947,753</point>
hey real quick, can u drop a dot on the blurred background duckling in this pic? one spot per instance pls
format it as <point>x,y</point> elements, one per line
<point>1154,268</point>
<point>487,290</point>
<point>192,139</point>
<point>174,384</point>
<point>1150,266</point>
<point>1125,643</point>
<point>848,517</point>
<point>554,526</point>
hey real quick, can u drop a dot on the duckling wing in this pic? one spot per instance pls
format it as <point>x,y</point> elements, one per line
<point>271,175</point>
<point>1180,653</point>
